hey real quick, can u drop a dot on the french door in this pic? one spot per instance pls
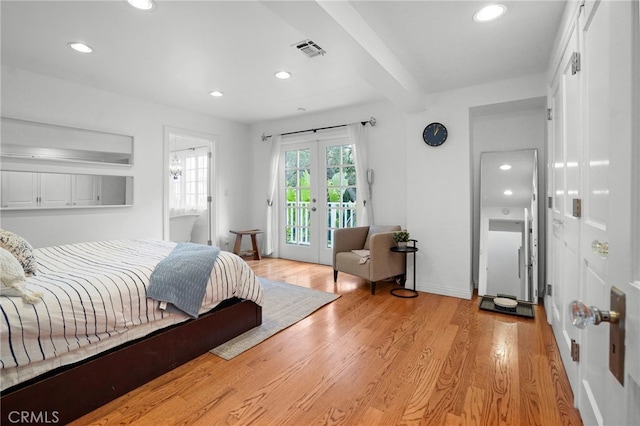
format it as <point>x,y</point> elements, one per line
<point>317,196</point>
<point>592,241</point>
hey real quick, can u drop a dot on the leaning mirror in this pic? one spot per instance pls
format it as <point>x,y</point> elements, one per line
<point>508,224</point>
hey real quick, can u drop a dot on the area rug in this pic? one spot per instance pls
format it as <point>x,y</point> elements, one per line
<point>283,305</point>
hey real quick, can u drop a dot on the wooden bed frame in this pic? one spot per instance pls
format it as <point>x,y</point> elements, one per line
<point>70,392</point>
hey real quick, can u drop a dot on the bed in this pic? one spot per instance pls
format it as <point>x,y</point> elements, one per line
<point>94,335</point>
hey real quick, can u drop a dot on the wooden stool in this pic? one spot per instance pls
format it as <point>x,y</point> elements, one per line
<point>254,243</point>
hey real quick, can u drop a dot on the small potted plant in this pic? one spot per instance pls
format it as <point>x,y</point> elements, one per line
<point>401,238</point>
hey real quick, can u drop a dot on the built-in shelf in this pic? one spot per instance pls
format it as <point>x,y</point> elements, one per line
<point>36,191</point>
<point>46,166</point>
<point>41,141</point>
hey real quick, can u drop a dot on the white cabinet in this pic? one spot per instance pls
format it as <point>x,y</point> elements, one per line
<point>19,190</point>
<point>25,190</point>
<point>55,190</point>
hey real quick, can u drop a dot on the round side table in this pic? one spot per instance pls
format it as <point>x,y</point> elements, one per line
<point>412,292</point>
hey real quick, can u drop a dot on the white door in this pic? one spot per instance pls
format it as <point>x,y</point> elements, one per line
<point>525,261</point>
<point>299,191</point>
<point>533,241</point>
<point>606,212</point>
<point>591,160</point>
<point>317,193</point>
<point>564,184</point>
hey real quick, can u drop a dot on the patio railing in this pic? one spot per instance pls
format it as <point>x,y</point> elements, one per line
<point>298,220</point>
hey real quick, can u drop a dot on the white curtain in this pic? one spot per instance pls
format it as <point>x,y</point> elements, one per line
<point>271,232</point>
<point>357,137</point>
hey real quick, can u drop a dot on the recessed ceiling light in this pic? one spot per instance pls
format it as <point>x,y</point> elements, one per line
<point>216,93</point>
<point>283,75</point>
<point>80,47</point>
<point>489,13</point>
<point>508,192</point>
<point>505,167</point>
<point>142,4</point>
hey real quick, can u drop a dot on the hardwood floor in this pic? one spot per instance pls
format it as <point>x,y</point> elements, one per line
<point>364,360</point>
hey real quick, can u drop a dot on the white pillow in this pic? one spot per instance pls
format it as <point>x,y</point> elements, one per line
<point>21,249</point>
<point>12,279</point>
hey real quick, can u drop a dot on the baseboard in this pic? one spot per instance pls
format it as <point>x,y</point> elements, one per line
<point>444,291</point>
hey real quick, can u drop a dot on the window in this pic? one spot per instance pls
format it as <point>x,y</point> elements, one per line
<point>189,191</point>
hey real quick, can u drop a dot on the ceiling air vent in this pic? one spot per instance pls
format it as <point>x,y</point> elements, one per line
<point>309,48</point>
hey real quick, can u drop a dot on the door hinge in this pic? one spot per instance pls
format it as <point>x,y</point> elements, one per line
<point>575,63</point>
<point>209,199</point>
<point>209,154</point>
<point>549,114</point>
<point>577,207</point>
<point>550,202</point>
<point>575,351</point>
<point>549,292</point>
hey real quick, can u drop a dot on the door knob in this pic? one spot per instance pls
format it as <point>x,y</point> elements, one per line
<point>313,209</point>
<point>583,315</point>
<point>600,248</point>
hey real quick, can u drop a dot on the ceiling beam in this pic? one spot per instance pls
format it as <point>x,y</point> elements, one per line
<point>352,44</point>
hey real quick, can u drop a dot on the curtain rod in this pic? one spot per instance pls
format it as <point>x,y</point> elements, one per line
<point>371,121</point>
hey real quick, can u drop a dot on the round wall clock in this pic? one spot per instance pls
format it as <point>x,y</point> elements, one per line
<point>435,134</point>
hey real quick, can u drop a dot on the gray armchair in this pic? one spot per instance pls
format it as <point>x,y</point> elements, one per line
<point>382,263</point>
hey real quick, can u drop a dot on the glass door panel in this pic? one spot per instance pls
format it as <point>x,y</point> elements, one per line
<point>340,189</point>
<point>299,206</point>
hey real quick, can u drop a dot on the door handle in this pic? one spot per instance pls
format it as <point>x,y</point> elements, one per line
<point>600,248</point>
<point>583,315</point>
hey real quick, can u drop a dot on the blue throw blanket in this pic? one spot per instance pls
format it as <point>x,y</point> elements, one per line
<point>181,278</point>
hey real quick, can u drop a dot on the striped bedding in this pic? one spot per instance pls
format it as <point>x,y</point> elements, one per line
<point>94,299</point>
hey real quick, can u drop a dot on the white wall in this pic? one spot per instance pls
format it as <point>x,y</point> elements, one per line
<point>40,98</point>
<point>439,183</point>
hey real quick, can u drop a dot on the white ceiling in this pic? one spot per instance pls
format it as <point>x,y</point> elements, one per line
<point>179,51</point>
